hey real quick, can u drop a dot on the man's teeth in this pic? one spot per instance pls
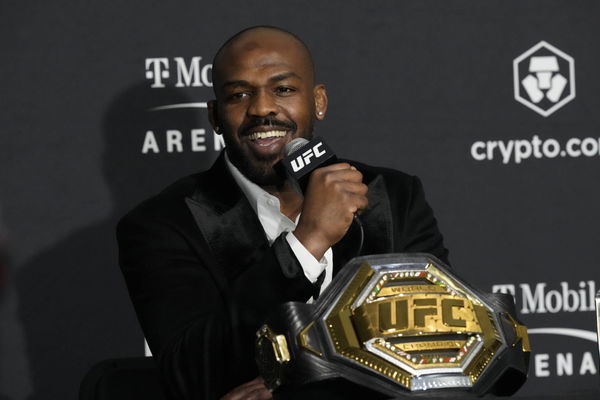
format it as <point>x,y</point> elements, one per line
<point>266,135</point>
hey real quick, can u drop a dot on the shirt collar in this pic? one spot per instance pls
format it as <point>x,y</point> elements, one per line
<point>266,206</point>
<point>252,191</point>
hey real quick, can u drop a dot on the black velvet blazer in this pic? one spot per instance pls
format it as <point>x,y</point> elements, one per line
<point>202,276</point>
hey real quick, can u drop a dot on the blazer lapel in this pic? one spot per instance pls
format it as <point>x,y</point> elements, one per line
<point>226,219</point>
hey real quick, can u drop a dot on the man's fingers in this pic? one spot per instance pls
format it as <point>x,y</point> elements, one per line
<point>248,386</point>
<point>255,393</point>
<point>251,393</point>
<point>358,188</point>
<point>336,167</point>
<point>358,203</point>
<point>352,175</point>
<point>252,390</point>
<point>329,177</point>
<point>262,394</point>
<point>255,381</point>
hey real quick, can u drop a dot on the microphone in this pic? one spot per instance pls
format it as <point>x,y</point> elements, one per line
<point>302,157</point>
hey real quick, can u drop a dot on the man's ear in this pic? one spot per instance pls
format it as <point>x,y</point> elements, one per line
<point>213,116</point>
<point>320,95</point>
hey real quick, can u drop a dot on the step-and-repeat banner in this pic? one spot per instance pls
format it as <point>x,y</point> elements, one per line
<point>493,104</point>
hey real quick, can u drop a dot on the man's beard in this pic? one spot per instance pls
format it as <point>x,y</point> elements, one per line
<point>260,171</point>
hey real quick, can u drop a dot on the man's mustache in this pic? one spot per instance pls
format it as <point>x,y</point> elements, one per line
<point>266,121</point>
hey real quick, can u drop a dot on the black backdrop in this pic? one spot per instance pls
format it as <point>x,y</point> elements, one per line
<point>422,86</point>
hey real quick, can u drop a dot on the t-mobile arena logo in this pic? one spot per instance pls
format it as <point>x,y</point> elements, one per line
<point>544,78</point>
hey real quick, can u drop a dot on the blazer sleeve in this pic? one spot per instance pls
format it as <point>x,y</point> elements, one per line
<point>419,232</point>
<point>199,326</point>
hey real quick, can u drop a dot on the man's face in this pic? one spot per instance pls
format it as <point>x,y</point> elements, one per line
<point>265,98</point>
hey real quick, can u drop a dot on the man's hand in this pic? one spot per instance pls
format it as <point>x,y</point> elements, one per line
<point>334,194</point>
<point>253,390</point>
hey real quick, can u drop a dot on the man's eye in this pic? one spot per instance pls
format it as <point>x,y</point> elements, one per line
<point>238,95</point>
<point>284,90</point>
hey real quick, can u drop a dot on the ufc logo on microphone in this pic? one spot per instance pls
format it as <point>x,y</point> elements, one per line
<point>303,160</point>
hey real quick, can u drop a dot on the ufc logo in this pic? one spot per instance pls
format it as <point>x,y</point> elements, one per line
<point>395,315</point>
<point>303,160</point>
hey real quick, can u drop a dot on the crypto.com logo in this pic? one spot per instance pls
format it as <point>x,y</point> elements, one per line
<point>544,78</point>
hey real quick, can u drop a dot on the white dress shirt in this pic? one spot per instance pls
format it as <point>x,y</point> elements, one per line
<point>274,223</point>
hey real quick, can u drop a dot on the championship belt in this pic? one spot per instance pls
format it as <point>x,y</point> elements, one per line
<point>398,324</point>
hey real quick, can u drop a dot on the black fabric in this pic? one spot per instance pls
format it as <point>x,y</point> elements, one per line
<point>203,278</point>
<point>317,285</point>
<point>122,379</point>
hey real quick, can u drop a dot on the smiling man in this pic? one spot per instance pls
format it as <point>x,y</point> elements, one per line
<point>208,259</point>
<point>264,84</point>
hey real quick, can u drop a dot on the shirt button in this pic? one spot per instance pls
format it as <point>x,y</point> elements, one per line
<point>271,202</point>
